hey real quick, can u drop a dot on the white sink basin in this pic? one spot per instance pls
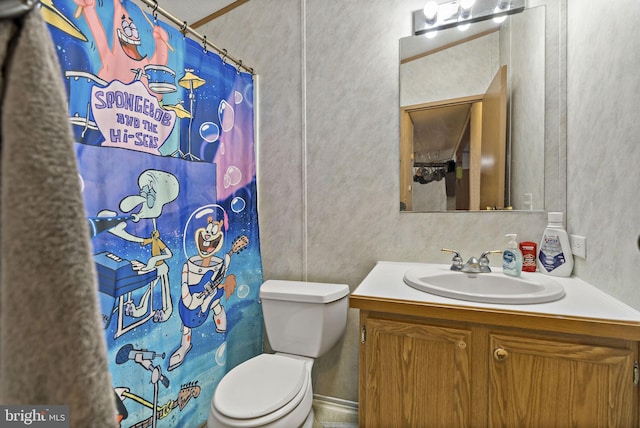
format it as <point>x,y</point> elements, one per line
<point>494,287</point>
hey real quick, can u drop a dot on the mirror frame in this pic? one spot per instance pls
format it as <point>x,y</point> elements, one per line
<point>555,130</point>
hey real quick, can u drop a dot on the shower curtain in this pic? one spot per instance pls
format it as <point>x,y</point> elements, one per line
<point>165,149</point>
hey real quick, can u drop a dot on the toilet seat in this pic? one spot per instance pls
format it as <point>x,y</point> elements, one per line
<point>262,390</point>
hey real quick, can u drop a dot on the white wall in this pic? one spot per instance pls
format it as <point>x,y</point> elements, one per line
<point>603,114</point>
<point>329,158</point>
<point>458,71</point>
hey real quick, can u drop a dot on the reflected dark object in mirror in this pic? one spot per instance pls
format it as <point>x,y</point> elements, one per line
<point>433,172</point>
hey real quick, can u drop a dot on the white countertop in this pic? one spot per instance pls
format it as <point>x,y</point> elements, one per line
<point>582,300</point>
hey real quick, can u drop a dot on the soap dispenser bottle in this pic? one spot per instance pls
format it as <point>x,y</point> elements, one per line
<point>554,252</point>
<point>512,257</point>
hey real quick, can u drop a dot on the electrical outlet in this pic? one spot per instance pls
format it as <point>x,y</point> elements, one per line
<point>578,246</point>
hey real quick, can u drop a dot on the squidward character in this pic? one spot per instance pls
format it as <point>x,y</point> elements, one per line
<point>157,189</point>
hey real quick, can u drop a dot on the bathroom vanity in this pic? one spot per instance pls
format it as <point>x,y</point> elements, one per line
<point>434,361</point>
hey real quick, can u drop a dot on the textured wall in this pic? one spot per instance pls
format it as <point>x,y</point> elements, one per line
<point>328,151</point>
<point>459,71</point>
<point>604,142</point>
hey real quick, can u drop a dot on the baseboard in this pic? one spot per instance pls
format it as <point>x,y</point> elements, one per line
<point>330,410</point>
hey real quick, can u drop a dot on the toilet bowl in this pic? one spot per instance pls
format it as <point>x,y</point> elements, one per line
<point>302,320</point>
<point>269,390</point>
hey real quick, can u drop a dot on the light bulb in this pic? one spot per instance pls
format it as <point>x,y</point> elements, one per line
<point>499,9</point>
<point>431,12</point>
<point>502,6</point>
<point>466,4</point>
<point>463,24</point>
<point>431,34</point>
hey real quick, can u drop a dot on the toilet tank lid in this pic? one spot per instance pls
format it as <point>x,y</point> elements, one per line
<point>301,291</point>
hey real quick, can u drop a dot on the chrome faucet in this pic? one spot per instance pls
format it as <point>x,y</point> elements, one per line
<point>456,262</point>
<point>473,265</point>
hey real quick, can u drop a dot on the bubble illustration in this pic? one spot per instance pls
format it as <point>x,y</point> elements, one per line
<point>209,132</point>
<point>221,354</point>
<point>237,97</point>
<point>243,291</point>
<point>238,204</point>
<point>232,177</point>
<point>226,114</point>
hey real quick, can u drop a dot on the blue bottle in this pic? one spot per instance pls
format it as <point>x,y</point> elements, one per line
<point>512,257</point>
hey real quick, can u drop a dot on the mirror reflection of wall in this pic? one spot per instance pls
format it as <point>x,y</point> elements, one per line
<point>464,69</point>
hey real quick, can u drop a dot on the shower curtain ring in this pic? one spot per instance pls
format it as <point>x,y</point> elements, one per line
<point>183,29</point>
<point>204,44</point>
<point>239,65</point>
<point>224,56</point>
<point>155,11</point>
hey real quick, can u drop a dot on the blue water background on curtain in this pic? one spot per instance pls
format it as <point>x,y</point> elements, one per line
<point>165,147</point>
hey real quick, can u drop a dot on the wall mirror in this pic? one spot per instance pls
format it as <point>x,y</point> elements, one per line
<point>482,115</point>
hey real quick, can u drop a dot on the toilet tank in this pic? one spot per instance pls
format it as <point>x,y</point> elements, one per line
<point>304,318</point>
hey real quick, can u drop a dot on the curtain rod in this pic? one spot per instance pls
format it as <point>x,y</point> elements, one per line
<point>185,28</point>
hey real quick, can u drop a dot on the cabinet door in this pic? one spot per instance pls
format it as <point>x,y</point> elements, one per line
<point>414,375</point>
<point>539,383</point>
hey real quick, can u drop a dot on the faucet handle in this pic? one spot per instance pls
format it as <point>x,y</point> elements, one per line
<point>484,259</point>
<point>486,253</point>
<point>456,262</point>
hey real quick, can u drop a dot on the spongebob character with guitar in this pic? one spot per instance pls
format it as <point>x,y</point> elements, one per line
<point>204,282</point>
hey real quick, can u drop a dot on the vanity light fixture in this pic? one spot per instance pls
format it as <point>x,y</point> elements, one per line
<point>431,12</point>
<point>464,25</point>
<point>465,8</point>
<point>499,19</point>
<point>442,14</point>
<point>498,13</point>
<point>464,14</point>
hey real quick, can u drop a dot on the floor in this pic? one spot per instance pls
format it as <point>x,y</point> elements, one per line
<point>329,414</point>
<point>335,425</point>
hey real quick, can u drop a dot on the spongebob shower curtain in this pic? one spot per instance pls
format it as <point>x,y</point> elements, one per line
<point>165,149</point>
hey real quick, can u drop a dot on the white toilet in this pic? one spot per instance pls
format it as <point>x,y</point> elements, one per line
<point>303,320</point>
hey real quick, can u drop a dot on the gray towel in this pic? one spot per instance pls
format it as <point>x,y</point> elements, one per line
<point>52,346</point>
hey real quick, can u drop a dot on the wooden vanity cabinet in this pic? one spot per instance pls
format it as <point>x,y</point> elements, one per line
<point>446,371</point>
<point>414,374</point>
<point>553,382</point>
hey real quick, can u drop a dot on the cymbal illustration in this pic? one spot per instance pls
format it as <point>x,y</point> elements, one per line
<point>53,16</point>
<point>190,80</point>
<point>181,112</point>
